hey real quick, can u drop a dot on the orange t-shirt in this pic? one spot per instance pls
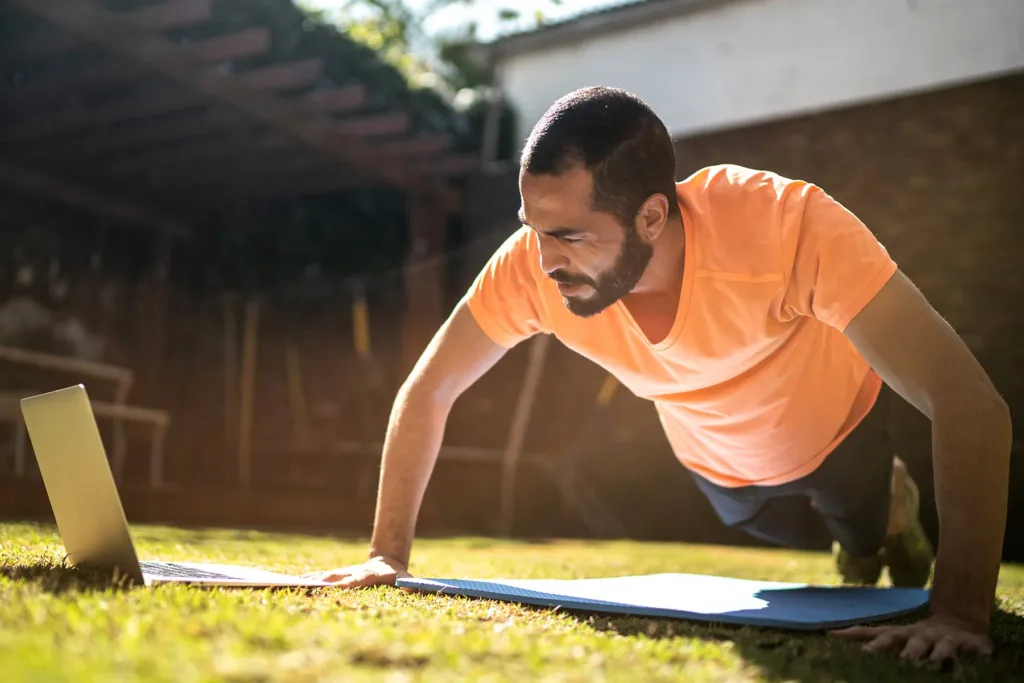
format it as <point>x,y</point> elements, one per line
<point>755,383</point>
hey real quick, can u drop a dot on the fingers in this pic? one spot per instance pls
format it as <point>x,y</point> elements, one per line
<point>884,641</point>
<point>879,638</point>
<point>918,646</point>
<point>949,647</point>
<point>944,649</point>
<point>933,639</point>
<point>334,574</point>
<point>360,578</point>
<point>355,581</point>
<point>982,645</point>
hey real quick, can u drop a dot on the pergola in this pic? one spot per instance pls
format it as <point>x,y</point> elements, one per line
<point>106,105</point>
<point>166,114</point>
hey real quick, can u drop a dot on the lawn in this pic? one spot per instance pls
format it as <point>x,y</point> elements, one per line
<point>57,624</point>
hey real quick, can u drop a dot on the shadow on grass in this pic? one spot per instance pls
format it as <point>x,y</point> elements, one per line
<point>62,578</point>
<point>783,655</point>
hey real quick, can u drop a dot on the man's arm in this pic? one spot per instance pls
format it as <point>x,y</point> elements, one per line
<point>921,357</point>
<point>457,356</point>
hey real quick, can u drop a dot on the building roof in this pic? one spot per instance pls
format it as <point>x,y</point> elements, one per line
<point>581,26</point>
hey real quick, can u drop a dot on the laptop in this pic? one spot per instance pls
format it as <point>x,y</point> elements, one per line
<point>87,507</point>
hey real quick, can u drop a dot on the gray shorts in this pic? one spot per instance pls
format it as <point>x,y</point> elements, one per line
<point>851,490</point>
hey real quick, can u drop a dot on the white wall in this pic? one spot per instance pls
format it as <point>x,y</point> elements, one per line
<point>756,60</point>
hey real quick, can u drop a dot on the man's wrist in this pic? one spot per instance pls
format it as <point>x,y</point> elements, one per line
<point>962,598</point>
<point>386,553</point>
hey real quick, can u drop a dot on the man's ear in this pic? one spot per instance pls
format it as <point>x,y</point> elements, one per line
<point>652,218</point>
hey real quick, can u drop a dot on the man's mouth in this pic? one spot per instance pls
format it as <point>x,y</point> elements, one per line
<point>570,290</point>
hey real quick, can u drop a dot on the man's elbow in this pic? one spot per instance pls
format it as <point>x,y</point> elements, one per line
<point>982,410</point>
<point>995,412</point>
<point>425,393</point>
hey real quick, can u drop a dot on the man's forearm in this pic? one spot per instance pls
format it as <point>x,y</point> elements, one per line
<point>971,456</point>
<point>414,436</point>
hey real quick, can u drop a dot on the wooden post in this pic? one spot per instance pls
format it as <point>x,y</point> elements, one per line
<point>161,294</point>
<point>360,322</point>
<point>297,396</point>
<point>250,342</point>
<point>424,273</point>
<point>231,379</point>
<point>514,446</point>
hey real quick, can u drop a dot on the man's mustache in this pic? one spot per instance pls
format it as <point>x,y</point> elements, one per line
<point>564,278</point>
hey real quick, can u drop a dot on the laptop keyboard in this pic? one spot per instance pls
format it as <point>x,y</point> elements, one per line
<point>169,569</point>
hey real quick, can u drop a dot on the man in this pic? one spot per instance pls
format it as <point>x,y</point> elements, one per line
<point>766,324</point>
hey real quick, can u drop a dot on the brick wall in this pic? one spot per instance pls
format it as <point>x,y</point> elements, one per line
<point>938,178</point>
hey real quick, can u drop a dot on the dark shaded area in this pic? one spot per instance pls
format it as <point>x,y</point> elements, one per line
<point>784,655</point>
<point>58,579</point>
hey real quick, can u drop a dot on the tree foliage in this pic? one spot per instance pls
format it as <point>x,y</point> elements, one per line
<point>396,31</point>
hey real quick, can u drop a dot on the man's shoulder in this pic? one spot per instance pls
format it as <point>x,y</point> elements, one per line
<point>516,257</point>
<point>518,246</point>
<point>736,218</point>
<point>722,181</point>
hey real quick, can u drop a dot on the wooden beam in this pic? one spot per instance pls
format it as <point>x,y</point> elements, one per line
<point>163,101</point>
<point>261,187</point>
<point>109,72</point>
<point>67,193</point>
<point>173,14</point>
<point>123,36</point>
<point>312,183</point>
<point>106,143</point>
<point>244,43</point>
<point>97,74</point>
<point>234,148</point>
<point>455,165</point>
<point>248,170</point>
<point>237,149</point>
<point>169,15</point>
<point>426,145</point>
<point>388,123</point>
<point>333,101</point>
<point>282,76</point>
<point>307,175</point>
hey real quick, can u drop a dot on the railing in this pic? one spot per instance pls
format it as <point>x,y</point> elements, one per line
<point>117,410</point>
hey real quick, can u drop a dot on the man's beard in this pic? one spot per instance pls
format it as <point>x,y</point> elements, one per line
<point>612,284</point>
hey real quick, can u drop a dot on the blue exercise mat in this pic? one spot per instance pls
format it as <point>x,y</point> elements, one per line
<point>697,597</point>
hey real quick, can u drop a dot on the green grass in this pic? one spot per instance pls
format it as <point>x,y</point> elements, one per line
<point>58,624</point>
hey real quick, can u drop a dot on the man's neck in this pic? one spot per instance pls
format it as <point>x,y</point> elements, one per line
<point>654,303</point>
<point>664,274</point>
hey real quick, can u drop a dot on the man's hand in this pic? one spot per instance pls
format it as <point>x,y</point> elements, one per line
<point>937,638</point>
<point>377,571</point>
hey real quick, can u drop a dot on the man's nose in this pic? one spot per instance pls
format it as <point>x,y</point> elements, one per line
<point>551,257</point>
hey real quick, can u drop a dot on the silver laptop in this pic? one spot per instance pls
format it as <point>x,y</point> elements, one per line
<point>87,508</point>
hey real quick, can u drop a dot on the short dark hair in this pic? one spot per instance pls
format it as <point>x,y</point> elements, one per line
<point>617,137</point>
